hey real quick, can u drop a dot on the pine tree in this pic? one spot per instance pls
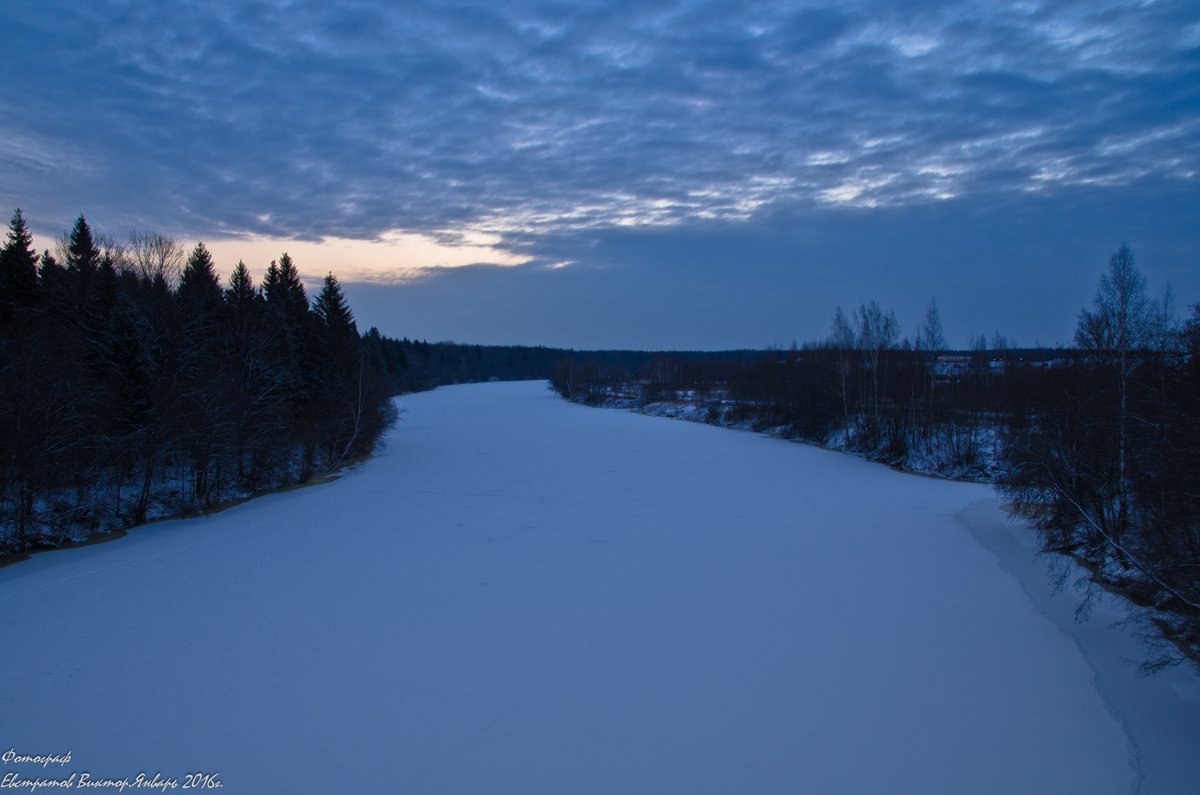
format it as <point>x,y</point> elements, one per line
<point>23,373</point>
<point>206,385</point>
<point>258,399</point>
<point>77,299</point>
<point>288,314</point>
<point>240,294</point>
<point>334,313</point>
<point>199,290</point>
<point>52,281</point>
<point>82,252</point>
<point>292,350</point>
<point>339,372</point>
<point>18,267</point>
<point>106,292</point>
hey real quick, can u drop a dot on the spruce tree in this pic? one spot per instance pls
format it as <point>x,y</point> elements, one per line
<point>52,280</point>
<point>82,252</point>
<point>240,294</point>
<point>338,372</point>
<point>77,300</point>
<point>250,358</point>
<point>291,347</point>
<point>205,383</point>
<point>18,266</point>
<point>288,313</point>
<point>333,312</point>
<point>199,290</point>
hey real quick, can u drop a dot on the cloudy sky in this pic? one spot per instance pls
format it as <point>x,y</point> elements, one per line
<point>628,174</point>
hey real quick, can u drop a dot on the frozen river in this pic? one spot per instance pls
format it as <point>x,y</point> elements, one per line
<point>522,595</point>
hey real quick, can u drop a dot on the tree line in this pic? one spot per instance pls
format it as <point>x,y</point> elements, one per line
<point>905,401</point>
<point>134,384</point>
<point>1105,455</point>
<point>1098,444</point>
<point>415,365</point>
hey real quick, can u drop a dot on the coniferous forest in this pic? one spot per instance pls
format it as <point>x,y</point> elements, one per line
<point>136,385</point>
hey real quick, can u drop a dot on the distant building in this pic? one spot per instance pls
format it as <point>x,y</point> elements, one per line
<point>948,369</point>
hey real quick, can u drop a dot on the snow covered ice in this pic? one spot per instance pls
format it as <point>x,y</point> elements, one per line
<point>523,595</point>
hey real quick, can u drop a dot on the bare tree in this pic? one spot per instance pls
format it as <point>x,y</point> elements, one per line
<point>156,257</point>
<point>842,339</point>
<point>114,251</point>
<point>931,337</point>
<point>878,333</point>
<point>1116,328</point>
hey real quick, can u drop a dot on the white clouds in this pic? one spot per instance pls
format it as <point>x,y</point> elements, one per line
<point>519,118</point>
<point>938,170</point>
<point>827,158</point>
<point>862,191</point>
<point>914,46</point>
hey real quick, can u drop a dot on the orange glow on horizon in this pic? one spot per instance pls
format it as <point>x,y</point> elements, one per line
<point>393,257</point>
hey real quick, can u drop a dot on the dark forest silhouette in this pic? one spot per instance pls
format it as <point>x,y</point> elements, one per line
<point>133,385</point>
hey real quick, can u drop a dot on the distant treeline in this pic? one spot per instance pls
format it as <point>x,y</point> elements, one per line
<point>1098,444</point>
<point>133,384</point>
<point>900,405</point>
<point>411,366</point>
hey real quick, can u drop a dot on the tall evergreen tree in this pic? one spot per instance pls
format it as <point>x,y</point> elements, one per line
<point>241,293</point>
<point>337,372</point>
<point>78,298</point>
<point>292,349</point>
<point>287,311</point>
<point>286,291</point>
<point>258,397</point>
<point>52,280</point>
<point>18,266</point>
<point>82,252</point>
<point>107,285</point>
<point>199,289</point>
<point>206,385</point>
<point>331,309</point>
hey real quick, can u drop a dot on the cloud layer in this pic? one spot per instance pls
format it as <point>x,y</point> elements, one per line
<point>351,119</point>
<point>536,122</point>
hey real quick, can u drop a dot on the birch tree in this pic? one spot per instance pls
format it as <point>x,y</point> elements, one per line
<point>1116,328</point>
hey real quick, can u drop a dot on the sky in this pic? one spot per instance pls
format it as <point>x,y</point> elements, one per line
<point>687,175</point>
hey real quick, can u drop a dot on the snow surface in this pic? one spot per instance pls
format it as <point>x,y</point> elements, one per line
<point>524,595</point>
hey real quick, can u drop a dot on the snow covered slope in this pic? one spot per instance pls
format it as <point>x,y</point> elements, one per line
<point>523,595</point>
